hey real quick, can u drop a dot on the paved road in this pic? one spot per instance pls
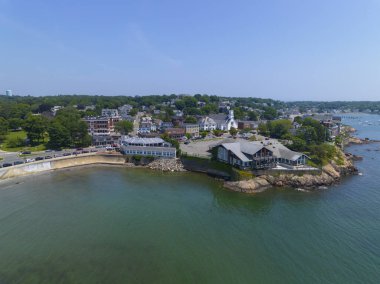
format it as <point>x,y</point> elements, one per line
<point>11,157</point>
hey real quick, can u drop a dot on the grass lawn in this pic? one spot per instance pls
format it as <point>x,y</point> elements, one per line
<point>21,134</point>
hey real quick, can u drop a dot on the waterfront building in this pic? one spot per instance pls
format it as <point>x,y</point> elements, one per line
<point>259,155</point>
<point>154,147</point>
<point>8,93</point>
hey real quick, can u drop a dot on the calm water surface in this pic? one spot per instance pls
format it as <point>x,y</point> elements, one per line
<point>116,225</point>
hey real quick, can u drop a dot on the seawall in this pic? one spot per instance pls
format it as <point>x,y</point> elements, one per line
<point>60,163</point>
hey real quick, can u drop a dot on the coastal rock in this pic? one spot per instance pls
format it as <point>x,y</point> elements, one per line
<point>248,186</point>
<point>331,174</point>
<point>166,165</point>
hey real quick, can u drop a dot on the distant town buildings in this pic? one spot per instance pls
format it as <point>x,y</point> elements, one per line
<point>124,111</point>
<point>54,109</point>
<point>108,112</point>
<point>8,93</point>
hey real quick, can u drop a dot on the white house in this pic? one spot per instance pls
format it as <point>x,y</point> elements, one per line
<point>224,122</point>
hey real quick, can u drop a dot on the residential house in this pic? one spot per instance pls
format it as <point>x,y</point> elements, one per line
<point>124,111</point>
<point>109,112</point>
<point>207,124</point>
<point>147,125</point>
<point>192,129</point>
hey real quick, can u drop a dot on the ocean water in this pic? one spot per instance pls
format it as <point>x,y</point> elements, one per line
<point>118,225</point>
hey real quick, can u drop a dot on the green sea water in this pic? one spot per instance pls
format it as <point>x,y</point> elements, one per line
<point>118,225</point>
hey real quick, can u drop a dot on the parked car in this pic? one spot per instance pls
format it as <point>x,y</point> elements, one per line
<point>18,162</point>
<point>30,160</point>
<point>79,149</point>
<point>26,152</point>
<point>187,142</point>
<point>7,165</point>
<point>39,158</point>
<point>66,154</point>
<point>48,151</point>
<point>93,150</point>
<point>48,157</point>
<point>85,151</point>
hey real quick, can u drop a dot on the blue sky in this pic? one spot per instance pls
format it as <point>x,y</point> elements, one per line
<point>281,49</point>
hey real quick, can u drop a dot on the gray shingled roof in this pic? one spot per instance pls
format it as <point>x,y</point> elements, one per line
<point>235,148</point>
<point>240,149</point>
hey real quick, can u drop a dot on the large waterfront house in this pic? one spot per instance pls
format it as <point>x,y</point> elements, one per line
<point>259,155</point>
<point>153,147</point>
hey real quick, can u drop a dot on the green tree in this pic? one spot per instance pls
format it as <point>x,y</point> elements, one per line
<point>279,128</point>
<point>15,123</point>
<point>252,115</point>
<point>124,127</point>
<point>263,129</point>
<point>217,132</point>
<point>308,134</point>
<point>35,127</point>
<point>270,113</point>
<point>190,119</point>
<point>59,136</point>
<point>233,131</point>
<point>3,128</point>
<point>70,119</point>
<point>133,112</point>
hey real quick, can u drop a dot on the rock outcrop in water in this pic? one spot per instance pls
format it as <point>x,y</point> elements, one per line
<point>331,174</point>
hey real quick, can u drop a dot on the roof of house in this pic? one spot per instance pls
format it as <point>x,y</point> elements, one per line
<point>207,120</point>
<point>235,148</point>
<point>219,118</point>
<point>241,149</point>
<point>139,140</point>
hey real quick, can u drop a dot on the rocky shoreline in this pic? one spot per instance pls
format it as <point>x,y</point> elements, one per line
<point>331,174</point>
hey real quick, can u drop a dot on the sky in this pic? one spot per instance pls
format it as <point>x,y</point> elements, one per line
<point>281,49</point>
